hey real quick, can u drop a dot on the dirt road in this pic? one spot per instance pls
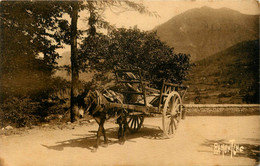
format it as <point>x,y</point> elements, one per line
<point>192,144</point>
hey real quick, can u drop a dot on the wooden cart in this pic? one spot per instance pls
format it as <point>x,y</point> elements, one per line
<point>141,101</point>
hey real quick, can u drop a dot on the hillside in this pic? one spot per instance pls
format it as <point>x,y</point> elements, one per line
<point>204,31</point>
<point>65,60</point>
<point>230,76</point>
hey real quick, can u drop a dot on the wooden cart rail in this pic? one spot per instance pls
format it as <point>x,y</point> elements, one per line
<point>167,101</point>
<point>138,108</point>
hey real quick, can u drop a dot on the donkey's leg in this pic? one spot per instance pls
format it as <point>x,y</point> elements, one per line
<point>122,128</point>
<point>121,139</point>
<point>120,133</point>
<point>99,132</point>
<point>124,125</point>
<point>119,122</point>
<point>98,139</point>
<point>103,131</point>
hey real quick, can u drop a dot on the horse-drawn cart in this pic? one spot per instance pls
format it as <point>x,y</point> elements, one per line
<point>141,100</point>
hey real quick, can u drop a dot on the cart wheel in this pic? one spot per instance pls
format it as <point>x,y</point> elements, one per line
<point>134,122</point>
<point>172,111</point>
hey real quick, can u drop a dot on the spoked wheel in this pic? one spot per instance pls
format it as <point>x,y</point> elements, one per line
<point>134,122</point>
<point>172,111</point>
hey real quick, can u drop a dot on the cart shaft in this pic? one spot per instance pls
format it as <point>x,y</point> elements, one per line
<point>138,108</point>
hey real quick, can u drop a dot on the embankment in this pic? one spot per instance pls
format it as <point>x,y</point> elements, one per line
<point>221,109</point>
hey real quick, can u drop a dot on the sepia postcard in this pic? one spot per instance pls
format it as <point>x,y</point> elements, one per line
<point>129,83</point>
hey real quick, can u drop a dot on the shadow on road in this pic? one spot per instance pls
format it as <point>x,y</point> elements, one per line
<point>250,150</point>
<point>89,140</point>
<point>148,132</point>
<point>84,142</point>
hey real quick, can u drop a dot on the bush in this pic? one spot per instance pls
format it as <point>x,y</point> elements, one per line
<point>30,109</point>
<point>19,112</point>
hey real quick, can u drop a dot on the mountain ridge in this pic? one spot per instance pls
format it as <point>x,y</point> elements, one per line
<point>204,31</point>
<point>230,76</point>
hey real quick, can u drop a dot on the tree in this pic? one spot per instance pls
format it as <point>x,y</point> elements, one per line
<point>96,20</point>
<point>28,30</point>
<point>39,23</point>
<point>137,49</point>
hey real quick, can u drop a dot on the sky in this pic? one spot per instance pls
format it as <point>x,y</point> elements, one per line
<point>167,9</point>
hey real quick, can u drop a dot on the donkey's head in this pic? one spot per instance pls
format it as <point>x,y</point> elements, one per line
<point>90,103</point>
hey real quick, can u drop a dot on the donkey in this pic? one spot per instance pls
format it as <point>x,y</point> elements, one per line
<point>94,103</point>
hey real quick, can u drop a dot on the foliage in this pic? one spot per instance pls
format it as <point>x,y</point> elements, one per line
<point>30,34</point>
<point>133,48</point>
<point>197,98</point>
<point>34,28</point>
<point>95,20</point>
<point>30,28</point>
<point>30,110</point>
<point>19,112</point>
<point>250,93</point>
<point>233,71</point>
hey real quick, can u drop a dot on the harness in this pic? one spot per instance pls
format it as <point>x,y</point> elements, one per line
<point>100,99</point>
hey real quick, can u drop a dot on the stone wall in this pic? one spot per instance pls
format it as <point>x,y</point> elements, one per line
<point>221,109</point>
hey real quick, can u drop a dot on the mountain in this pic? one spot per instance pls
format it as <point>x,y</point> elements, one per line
<point>65,60</point>
<point>230,76</point>
<point>204,31</point>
